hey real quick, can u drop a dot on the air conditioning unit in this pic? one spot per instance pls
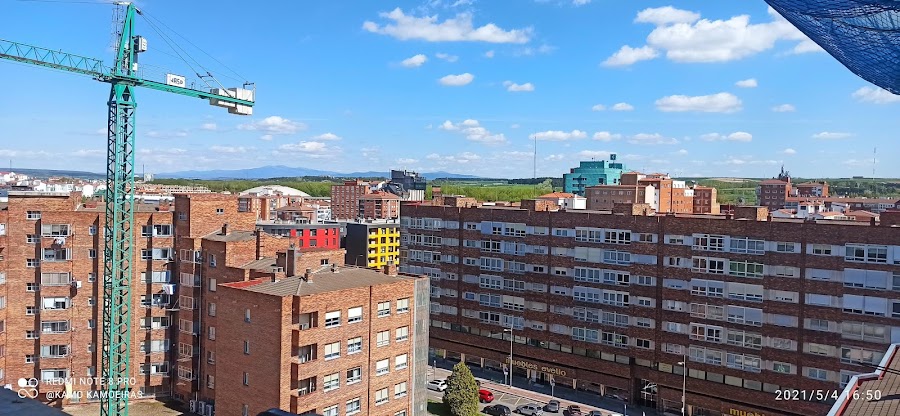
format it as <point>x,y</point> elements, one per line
<point>209,410</point>
<point>193,406</point>
<point>304,326</point>
<point>77,284</point>
<point>201,407</point>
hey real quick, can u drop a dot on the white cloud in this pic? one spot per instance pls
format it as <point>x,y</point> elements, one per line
<point>447,57</point>
<point>326,136</point>
<point>626,55</point>
<point>457,29</point>
<point>555,158</point>
<point>558,136</point>
<point>577,3</point>
<point>266,137</point>
<point>595,154</point>
<point>461,158</point>
<point>722,102</point>
<point>457,80</point>
<point>414,61</point>
<point>747,83</point>
<point>605,136</point>
<point>651,138</point>
<point>784,108</point>
<point>744,160</point>
<point>209,126</point>
<point>859,162</point>
<point>474,131</point>
<point>489,54</point>
<point>622,107</point>
<point>514,126</point>
<point>738,136</point>
<point>540,50</point>
<point>828,135</point>
<point>166,151</point>
<point>407,161</point>
<point>681,152</point>
<point>684,37</point>
<point>274,125</point>
<point>788,151</point>
<point>513,87</point>
<point>807,46</point>
<point>230,149</point>
<point>305,147</point>
<point>875,95</point>
<point>598,107</point>
<point>666,15</point>
<point>89,153</point>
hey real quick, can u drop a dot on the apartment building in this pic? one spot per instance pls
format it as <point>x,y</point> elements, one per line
<point>325,235</point>
<point>335,340</point>
<point>772,193</point>
<point>372,243</point>
<point>591,173</point>
<point>612,303</point>
<point>51,285</point>
<point>379,205</point>
<point>706,200</point>
<point>345,199</point>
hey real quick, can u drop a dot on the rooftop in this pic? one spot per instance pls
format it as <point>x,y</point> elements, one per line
<point>558,195</point>
<point>858,397</point>
<point>323,281</point>
<point>274,190</point>
<point>231,236</point>
<point>265,264</point>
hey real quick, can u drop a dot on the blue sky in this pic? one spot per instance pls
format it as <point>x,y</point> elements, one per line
<point>692,88</point>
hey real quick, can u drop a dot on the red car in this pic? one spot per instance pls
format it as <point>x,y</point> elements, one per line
<point>485,396</point>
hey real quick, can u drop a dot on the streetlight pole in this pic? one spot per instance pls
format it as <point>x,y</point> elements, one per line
<point>510,330</point>
<point>684,386</point>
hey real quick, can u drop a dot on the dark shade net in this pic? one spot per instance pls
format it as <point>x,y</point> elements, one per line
<point>864,35</point>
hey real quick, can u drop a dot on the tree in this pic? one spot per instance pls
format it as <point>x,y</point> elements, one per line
<point>462,392</point>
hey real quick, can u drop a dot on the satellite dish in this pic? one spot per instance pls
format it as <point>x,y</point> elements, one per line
<point>741,201</point>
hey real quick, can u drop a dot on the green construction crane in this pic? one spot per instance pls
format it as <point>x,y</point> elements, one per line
<point>123,77</point>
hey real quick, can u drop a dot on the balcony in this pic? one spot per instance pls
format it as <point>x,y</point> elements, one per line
<point>305,354</point>
<point>306,321</point>
<point>306,386</point>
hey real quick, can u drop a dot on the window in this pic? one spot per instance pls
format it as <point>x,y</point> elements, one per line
<point>785,247</point>
<point>784,368</point>
<point>54,374</point>
<point>54,327</point>
<point>402,333</point>
<point>354,315</point>
<point>54,351</point>
<point>55,303</point>
<point>246,379</point>
<point>382,367</point>
<point>332,319</point>
<point>384,308</point>
<point>30,287</point>
<point>748,246</point>
<point>32,215</point>
<point>400,362</point>
<point>820,249</point>
<point>332,351</point>
<point>643,343</point>
<point>381,396</point>
<point>56,279</point>
<point>817,373</point>
<point>31,263</point>
<point>212,260</point>
<point>331,382</point>
<point>353,406</point>
<point>402,305</point>
<point>31,239</point>
<point>399,390</point>
<point>354,345</point>
<point>246,347</point>
<point>354,375</point>
<point>210,381</point>
<point>383,338</point>
<point>211,309</point>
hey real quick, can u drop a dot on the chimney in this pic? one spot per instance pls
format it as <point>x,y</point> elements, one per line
<point>306,275</point>
<point>389,269</point>
<point>334,268</point>
<point>872,221</point>
<point>290,262</point>
<point>225,229</point>
<point>258,235</point>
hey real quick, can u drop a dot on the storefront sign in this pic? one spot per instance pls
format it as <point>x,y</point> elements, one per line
<point>532,366</point>
<point>738,412</point>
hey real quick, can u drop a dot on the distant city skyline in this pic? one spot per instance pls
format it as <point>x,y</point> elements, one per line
<point>701,89</point>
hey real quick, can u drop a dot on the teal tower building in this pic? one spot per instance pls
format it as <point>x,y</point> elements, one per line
<point>590,173</point>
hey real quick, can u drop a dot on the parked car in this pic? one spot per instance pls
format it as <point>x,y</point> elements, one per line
<point>437,385</point>
<point>485,396</point>
<point>497,410</point>
<point>595,413</point>
<point>531,409</point>
<point>573,410</point>
<point>552,406</point>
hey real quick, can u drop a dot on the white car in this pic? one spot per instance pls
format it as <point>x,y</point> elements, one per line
<point>531,409</point>
<point>437,385</point>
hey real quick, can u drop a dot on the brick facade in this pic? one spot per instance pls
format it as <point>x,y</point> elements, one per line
<point>612,302</point>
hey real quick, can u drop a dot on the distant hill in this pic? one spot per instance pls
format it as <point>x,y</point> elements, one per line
<point>280,171</point>
<point>48,173</point>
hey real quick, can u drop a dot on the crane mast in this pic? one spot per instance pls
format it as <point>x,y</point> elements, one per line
<point>118,241</point>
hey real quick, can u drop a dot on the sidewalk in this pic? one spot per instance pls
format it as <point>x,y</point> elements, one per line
<point>494,381</point>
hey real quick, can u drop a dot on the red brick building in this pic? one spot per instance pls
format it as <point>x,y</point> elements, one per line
<point>611,303</point>
<point>51,283</point>
<point>811,189</point>
<point>705,200</point>
<point>379,205</point>
<point>316,236</point>
<point>772,193</point>
<point>323,340</point>
<point>345,199</point>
